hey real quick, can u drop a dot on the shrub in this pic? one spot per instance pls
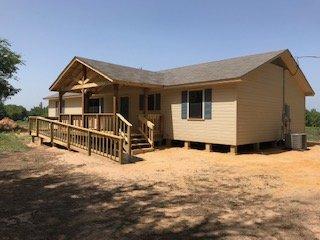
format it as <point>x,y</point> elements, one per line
<point>7,124</point>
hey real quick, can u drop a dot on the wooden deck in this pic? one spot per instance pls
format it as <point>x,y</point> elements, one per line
<point>105,134</point>
<point>97,142</point>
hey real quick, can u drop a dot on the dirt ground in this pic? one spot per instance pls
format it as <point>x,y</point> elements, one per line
<point>50,193</point>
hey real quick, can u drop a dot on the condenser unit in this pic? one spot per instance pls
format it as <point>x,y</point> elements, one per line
<point>296,141</point>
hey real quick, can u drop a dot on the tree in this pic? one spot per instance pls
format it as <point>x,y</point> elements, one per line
<point>313,118</point>
<point>39,111</point>
<point>2,111</point>
<point>15,112</point>
<point>9,65</point>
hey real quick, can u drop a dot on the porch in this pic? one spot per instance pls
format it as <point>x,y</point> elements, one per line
<point>117,129</point>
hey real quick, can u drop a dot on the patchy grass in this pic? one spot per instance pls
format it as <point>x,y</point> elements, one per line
<point>23,124</point>
<point>313,133</point>
<point>13,142</point>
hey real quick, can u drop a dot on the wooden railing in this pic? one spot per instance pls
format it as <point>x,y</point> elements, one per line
<point>156,119</point>
<point>100,122</point>
<point>123,129</point>
<point>105,122</point>
<point>146,128</point>
<point>101,143</point>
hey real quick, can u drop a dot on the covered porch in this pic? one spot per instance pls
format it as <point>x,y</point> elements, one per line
<point>123,107</point>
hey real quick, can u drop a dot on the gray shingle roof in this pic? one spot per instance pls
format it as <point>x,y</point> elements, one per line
<point>216,70</point>
<point>203,72</point>
<point>124,73</point>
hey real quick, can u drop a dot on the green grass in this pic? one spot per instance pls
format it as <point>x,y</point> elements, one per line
<point>313,133</point>
<point>13,142</point>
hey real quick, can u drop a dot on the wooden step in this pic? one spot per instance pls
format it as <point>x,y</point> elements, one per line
<point>142,150</point>
<point>145,144</point>
<point>137,135</point>
<point>138,140</point>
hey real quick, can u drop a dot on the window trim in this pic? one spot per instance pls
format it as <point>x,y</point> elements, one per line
<point>188,106</point>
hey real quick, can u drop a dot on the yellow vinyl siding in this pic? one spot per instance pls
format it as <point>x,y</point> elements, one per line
<point>260,99</point>
<point>221,129</point>
<point>72,106</point>
<point>295,98</point>
<point>52,112</point>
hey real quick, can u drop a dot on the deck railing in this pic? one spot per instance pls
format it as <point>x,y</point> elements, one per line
<point>92,141</point>
<point>100,122</point>
<point>105,122</point>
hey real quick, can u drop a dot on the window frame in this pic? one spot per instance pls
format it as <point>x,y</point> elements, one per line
<point>100,100</point>
<point>202,104</point>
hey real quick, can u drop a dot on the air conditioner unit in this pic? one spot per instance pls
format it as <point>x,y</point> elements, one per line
<point>296,141</point>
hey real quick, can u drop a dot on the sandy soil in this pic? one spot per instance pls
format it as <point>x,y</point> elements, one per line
<point>169,194</point>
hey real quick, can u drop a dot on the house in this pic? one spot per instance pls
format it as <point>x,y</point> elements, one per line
<point>233,102</point>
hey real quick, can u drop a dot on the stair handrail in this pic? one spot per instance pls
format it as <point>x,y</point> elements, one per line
<point>147,129</point>
<point>123,128</point>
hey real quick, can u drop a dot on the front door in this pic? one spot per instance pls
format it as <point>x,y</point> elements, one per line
<point>124,107</point>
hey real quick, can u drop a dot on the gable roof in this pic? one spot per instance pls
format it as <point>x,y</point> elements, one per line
<point>228,69</point>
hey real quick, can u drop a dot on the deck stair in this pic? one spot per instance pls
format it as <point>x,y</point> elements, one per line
<point>139,144</point>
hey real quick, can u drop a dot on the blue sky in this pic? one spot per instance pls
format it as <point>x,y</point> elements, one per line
<point>154,35</point>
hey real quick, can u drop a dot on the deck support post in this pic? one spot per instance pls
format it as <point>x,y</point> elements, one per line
<point>51,133</point>
<point>89,143</point>
<point>121,151</point>
<point>256,146</point>
<point>68,138</point>
<point>187,145</point>
<point>208,147</point>
<point>234,150</point>
<point>40,141</point>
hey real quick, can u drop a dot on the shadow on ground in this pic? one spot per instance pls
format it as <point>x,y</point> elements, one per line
<point>47,201</point>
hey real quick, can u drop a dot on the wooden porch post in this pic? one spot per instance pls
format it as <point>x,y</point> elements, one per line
<point>115,106</point>
<point>60,105</point>
<point>145,99</point>
<point>83,105</point>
